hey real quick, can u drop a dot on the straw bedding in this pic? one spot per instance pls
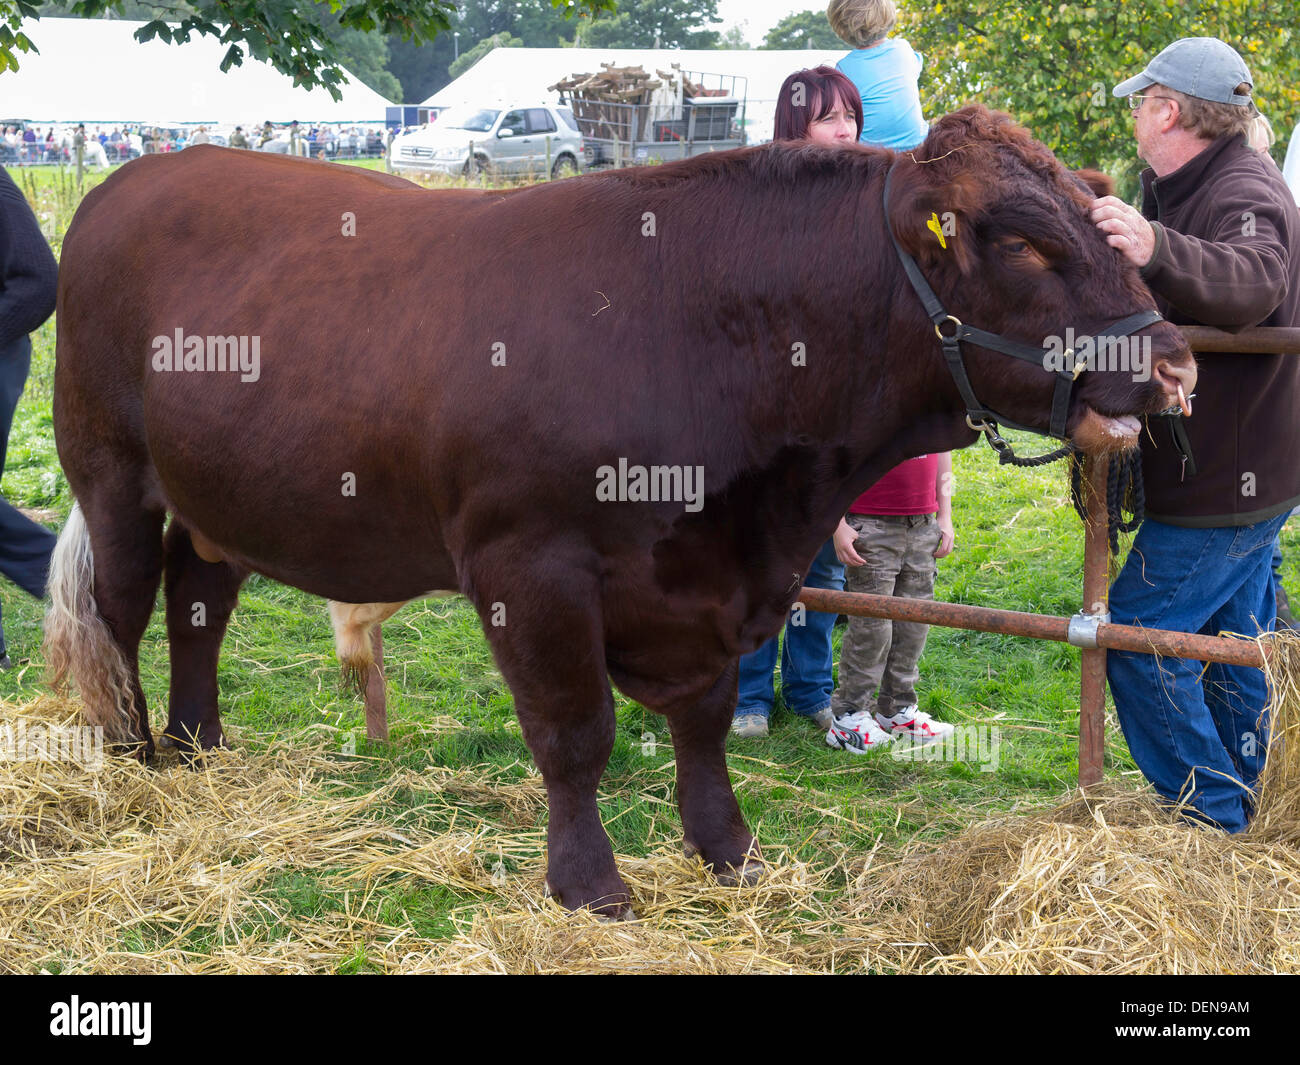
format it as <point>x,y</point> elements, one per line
<point>278,858</point>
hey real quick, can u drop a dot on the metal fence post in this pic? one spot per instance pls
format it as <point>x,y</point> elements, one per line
<point>376,690</point>
<point>1096,589</point>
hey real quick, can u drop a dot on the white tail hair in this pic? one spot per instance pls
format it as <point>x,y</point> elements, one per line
<point>78,644</point>
<point>353,624</point>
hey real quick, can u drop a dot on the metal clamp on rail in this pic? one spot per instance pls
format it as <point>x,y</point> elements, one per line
<point>1082,630</point>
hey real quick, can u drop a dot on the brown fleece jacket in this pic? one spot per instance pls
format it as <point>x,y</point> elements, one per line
<point>1227,255</point>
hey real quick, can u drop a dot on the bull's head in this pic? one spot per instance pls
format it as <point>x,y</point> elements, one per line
<point>1002,232</point>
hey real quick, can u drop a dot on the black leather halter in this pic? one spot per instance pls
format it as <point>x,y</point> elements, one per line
<point>951,332</point>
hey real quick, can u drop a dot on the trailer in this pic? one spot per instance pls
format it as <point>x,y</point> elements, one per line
<point>629,119</point>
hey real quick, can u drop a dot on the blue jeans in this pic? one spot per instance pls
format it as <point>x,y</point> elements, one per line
<point>25,547</point>
<point>806,663</point>
<point>1197,732</point>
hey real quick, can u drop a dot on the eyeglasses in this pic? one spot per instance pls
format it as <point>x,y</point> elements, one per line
<point>1135,100</point>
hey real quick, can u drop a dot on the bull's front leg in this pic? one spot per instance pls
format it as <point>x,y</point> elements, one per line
<point>548,642</point>
<point>712,824</point>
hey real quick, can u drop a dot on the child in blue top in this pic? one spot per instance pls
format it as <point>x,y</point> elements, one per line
<point>884,69</point>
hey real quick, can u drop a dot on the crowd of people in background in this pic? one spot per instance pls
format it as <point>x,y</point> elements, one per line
<point>27,144</point>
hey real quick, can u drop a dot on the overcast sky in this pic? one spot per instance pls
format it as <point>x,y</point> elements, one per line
<point>762,15</point>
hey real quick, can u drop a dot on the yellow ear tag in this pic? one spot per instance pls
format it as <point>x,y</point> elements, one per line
<point>934,225</point>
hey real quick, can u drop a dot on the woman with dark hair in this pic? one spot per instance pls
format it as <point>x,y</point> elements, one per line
<point>822,106</point>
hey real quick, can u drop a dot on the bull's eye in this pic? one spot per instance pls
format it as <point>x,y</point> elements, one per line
<point>1021,253</point>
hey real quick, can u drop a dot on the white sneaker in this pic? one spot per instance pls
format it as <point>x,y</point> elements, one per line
<point>857,733</point>
<point>916,725</point>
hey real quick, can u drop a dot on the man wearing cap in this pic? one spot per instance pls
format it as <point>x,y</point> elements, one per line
<point>1218,242</point>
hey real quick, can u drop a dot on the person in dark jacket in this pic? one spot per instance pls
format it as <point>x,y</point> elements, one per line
<point>28,284</point>
<point>1218,242</point>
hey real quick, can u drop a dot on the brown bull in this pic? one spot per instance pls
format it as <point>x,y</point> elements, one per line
<point>493,393</point>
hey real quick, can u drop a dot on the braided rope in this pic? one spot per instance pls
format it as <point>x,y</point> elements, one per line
<point>1125,491</point>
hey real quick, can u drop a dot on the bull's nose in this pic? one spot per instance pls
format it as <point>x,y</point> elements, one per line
<point>1178,380</point>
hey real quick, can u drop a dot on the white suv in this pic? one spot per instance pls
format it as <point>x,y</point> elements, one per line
<point>510,142</point>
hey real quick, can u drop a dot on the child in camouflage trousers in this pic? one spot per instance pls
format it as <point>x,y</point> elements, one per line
<point>889,544</point>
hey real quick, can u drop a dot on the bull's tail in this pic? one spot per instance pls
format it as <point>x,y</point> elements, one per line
<point>354,625</point>
<point>79,646</point>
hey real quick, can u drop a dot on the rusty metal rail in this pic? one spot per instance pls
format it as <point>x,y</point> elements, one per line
<point>1259,340</point>
<point>1240,652</point>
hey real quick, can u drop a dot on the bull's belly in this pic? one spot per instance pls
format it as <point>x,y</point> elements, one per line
<point>337,561</point>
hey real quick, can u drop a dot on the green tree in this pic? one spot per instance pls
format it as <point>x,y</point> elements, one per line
<point>538,23</point>
<point>733,37</point>
<point>655,24</point>
<point>363,53</point>
<point>468,59</point>
<point>422,69</point>
<point>1053,65</point>
<point>285,33</point>
<point>804,29</point>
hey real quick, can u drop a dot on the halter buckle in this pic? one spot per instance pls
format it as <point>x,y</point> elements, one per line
<point>956,327</point>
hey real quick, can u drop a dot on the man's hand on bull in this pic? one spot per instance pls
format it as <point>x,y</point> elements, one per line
<point>1125,228</point>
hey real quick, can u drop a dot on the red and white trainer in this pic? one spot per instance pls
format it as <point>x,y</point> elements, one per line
<point>857,733</point>
<point>915,725</point>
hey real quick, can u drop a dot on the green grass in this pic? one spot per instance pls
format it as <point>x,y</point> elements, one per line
<point>1019,546</point>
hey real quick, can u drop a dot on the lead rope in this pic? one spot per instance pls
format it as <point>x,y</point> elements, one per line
<point>1125,491</point>
<point>1007,457</point>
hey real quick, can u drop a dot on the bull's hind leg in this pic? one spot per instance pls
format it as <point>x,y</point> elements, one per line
<point>712,824</point>
<point>200,598</point>
<point>103,581</point>
<point>548,643</point>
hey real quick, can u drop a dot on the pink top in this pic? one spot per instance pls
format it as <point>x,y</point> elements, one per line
<point>909,488</point>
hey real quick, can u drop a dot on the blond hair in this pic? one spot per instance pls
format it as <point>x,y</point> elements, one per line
<point>861,23</point>
<point>1210,120</point>
<point>1261,136</point>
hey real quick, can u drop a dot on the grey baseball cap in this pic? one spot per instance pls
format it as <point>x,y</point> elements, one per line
<point>1203,67</point>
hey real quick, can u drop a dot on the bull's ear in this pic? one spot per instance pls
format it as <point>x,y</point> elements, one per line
<point>933,216</point>
<point>1100,184</point>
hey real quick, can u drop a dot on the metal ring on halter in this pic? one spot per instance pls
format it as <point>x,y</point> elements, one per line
<point>980,426</point>
<point>948,318</point>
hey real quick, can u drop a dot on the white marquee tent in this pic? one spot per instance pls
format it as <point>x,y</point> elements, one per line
<point>525,74</point>
<point>93,70</point>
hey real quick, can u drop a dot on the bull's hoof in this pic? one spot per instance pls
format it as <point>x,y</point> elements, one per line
<point>612,907</point>
<point>136,749</point>
<point>747,869</point>
<point>197,757</point>
<point>750,872</point>
<point>193,755</point>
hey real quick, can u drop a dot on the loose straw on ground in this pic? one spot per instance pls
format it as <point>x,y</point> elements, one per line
<point>280,858</point>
